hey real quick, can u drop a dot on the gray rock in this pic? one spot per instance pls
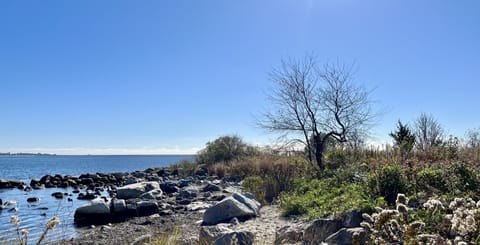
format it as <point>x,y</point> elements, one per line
<point>320,229</point>
<point>169,187</point>
<point>136,190</point>
<point>189,192</point>
<point>208,234</point>
<point>130,180</point>
<point>347,236</point>
<point>212,188</point>
<point>251,203</point>
<point>225,210</point>
<point>145,208</point>
<point>152,195</point>
<point>118,206</point>
<point>33,199</point>
<point>97,212</point>
<point>236,238</point>
<point>288,235</point>
<point>352,218</point>
<point>196,206</point>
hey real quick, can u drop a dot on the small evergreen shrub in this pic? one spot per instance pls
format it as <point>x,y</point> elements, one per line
<point>387,182</point>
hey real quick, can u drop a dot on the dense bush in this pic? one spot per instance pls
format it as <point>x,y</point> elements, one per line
<point>388,182</point>
<point>433,177</point>
<point>319,198</point>
<point>225,149</point>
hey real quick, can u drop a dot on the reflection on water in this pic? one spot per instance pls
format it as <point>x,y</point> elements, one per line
<point>34,216</point>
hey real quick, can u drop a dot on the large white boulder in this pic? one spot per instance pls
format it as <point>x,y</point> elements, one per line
<point>237,206</point>
<point>137,189</point>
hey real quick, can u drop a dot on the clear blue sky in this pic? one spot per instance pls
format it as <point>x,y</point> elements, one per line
<point>168,76</point>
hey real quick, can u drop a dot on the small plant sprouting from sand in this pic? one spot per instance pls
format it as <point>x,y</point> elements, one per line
<point>22,234</point>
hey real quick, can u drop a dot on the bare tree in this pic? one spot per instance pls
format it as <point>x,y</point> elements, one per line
<point>473,138</point>
<point>317,103</point>
<point>428,132</point>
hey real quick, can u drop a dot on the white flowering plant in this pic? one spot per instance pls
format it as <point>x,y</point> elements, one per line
<point>432,223</point>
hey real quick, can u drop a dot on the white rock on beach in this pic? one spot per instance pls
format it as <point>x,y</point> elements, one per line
<point>234,206</point>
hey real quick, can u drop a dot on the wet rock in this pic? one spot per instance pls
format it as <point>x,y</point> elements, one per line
<point>97,212</point>
<point>33,199</point>
<point>4,184</point>
<point>86,181</point>
<point>89,195</point>
<point>136,190</point>
<point>58,195</point>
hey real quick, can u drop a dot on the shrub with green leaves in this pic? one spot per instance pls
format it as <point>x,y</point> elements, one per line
<point>319,198</point>
<point>433,177</point>
<point>387,182</point>
<point>467,178</point>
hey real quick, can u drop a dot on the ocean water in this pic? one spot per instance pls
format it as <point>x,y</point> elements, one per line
<point>34,216</point>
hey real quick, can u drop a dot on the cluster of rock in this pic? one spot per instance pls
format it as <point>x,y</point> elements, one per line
<point>231,210</point>
<point>164,196</point>
<point>343,230</point>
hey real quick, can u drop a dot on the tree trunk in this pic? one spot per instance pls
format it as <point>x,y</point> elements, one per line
<point>319,147</point>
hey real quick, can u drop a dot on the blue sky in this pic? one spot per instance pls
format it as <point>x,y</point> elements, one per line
<point>123,77</point>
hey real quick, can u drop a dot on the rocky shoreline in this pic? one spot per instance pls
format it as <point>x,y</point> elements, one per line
<point>142,206</point>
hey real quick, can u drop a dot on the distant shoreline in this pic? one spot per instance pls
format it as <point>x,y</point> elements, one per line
<point>86,155</point>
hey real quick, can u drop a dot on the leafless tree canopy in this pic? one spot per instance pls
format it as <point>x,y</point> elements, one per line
<point>428,132</point>
<point>313,104</point>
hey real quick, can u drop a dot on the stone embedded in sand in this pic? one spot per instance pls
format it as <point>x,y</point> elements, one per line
<point>137,189</point>
<point>234,206</point>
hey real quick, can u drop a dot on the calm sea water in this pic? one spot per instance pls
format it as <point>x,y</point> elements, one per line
<point>35,216</point>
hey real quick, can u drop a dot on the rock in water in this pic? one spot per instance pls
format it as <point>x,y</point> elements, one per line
<point>33,199</point>
<point>97,212</point>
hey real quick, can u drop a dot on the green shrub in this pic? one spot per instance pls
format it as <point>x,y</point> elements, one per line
<point>319,198</point>
<point>467,178</point>
<point>387,182</point>
<point>435,177</point>
<point>225,149</point>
